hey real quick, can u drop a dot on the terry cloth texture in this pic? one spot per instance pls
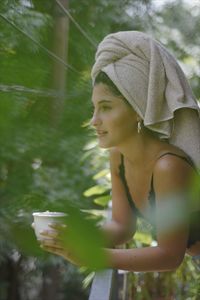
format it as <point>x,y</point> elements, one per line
<point>151,80</point>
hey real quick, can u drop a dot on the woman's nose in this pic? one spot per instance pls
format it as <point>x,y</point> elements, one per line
<point>95,121</point>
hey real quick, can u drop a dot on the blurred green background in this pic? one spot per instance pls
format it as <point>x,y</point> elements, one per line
<point>48,154</point>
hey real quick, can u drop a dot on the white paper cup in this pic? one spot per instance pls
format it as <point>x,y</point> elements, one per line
<point>43,219</point>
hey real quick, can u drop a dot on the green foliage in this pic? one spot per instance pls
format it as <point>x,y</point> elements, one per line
<point>181,284</point>
<point>84,239</point>
<point>42,165</point>
<point>95,190</point>
<point>98,160</point>
<point>103,200</point>
<point>176,25</point>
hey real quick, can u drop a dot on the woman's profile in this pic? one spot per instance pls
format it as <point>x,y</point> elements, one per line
<point>147,117</point>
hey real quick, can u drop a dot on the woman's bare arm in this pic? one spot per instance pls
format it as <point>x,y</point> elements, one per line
<point>171,179</point>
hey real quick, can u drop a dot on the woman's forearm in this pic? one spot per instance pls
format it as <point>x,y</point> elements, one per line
<point>148,259</point>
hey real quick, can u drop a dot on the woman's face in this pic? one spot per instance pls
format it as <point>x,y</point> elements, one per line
<point>114,120</point>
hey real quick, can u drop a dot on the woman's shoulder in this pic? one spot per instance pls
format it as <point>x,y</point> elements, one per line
<point>172,159</point>
<point>173,170</point>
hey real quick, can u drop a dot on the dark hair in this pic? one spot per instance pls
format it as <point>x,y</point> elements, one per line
<point>103,78</point>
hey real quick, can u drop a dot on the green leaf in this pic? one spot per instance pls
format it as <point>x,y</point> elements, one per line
<point>143,238</point>
<point>95,190</point>
<point>90,145</point>
<point>100,174</point>
<point>84,239</point>
<point>103,201</point>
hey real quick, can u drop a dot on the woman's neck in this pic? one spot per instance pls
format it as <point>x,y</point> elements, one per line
<point>142,149</point>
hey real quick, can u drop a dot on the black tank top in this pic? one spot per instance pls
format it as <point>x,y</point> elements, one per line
<point>194,227</point>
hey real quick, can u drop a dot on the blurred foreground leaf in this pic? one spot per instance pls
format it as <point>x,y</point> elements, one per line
<point>84,238</point>
<point>82,235</point>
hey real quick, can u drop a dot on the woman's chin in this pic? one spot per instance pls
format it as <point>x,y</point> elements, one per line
<point>104,145</point>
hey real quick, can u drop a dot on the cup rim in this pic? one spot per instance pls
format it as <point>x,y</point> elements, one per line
<point>49,214</point>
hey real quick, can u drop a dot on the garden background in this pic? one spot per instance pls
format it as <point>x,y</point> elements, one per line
<point>48,154</point>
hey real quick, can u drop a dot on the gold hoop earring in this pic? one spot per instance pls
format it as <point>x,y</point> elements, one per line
<point>139,126</point>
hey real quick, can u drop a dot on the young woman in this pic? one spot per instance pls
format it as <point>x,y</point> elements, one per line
<point>146,115</point>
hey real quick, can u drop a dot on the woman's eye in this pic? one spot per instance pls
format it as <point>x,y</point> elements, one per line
<point>105,107</point>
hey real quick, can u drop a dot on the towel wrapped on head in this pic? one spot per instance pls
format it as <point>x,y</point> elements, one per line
<point>151,80</point>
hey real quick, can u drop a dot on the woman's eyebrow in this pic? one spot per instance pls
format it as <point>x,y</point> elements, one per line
<point>103,101</point>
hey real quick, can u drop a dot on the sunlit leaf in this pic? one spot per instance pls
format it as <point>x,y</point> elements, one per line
<point>103,201</point>
<point>95,190</point>
<point>143,237</point>
<point>90,144</point>
<point>100,174</point>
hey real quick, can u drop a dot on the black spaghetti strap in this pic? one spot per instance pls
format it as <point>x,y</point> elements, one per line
<point>152,192</point>
<point>186,158</point>
<point>151,196</point>
<point>123,178</point>
<point>194,225</point>
<point>194,229</point>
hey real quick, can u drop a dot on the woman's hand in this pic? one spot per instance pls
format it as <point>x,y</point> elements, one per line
<point>53,242</point>
<point>59,239</point>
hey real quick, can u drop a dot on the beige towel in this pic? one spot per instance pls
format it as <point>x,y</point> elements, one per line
<point>151,80</point>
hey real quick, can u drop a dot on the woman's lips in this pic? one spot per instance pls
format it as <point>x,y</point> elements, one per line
<point>101,133</point>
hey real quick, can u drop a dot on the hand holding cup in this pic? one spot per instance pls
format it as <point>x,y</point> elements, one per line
<point>48,227</point>
<point>43,222</point>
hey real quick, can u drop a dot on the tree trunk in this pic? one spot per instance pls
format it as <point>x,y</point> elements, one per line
<point>13,270</point>
<point>51,283</point>
<point>60,48</point>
